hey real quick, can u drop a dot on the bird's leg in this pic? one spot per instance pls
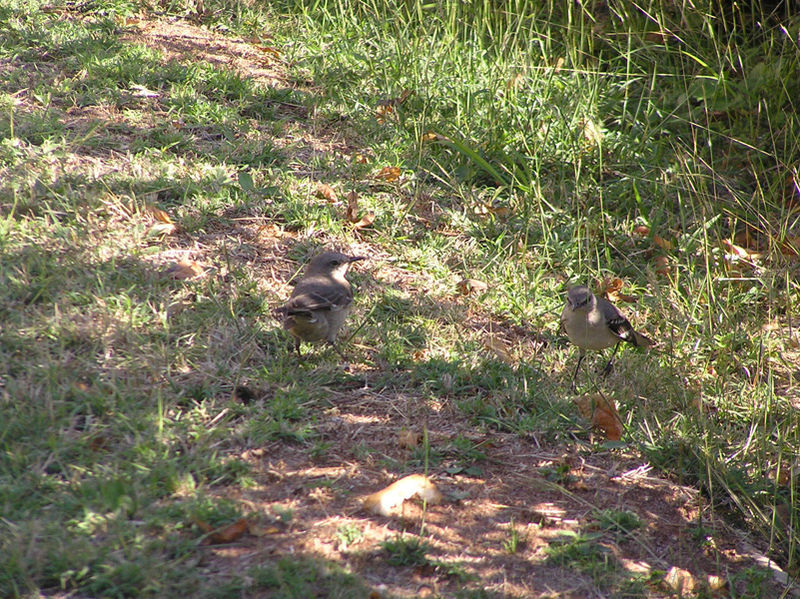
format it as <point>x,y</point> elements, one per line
<point>297,348</point>
<point>581,356</point>
<point>337,350</point>
<point>610,364</point>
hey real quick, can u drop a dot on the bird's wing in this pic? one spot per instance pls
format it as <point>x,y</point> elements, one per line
<point>616,321</point>
<point>621,326</point>
<point>314,298</point>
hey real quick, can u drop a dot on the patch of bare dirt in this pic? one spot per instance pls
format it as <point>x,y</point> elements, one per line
<point>471,528</point>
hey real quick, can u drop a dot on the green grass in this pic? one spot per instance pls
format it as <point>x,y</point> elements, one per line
<point>558,127</point>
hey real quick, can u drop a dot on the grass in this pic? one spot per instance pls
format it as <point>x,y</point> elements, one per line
<point>538,137</point>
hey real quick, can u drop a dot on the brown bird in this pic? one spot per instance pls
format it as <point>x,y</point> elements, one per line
<point>320,302</point>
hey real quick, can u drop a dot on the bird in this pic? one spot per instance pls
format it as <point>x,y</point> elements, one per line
<point>593,322</point>
<point>320,302</point>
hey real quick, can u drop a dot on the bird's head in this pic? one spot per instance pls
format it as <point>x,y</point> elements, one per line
<point>578,297</point>
<point>332,263</point>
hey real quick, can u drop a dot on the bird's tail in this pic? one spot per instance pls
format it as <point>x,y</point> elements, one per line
<point>640,340</point>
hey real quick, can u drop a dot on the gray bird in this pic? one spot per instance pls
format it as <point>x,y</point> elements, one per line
<point>321,300</point>
<point>593,322</point>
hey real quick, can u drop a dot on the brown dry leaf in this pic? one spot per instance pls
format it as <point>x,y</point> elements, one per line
<point>791,246</point>
<point>228,534</point>
<point>158,214</point>
<point>360,159</point>
<point>270,230</point>
<point>270,50</point>
<point>612,288</point>
<point>382,110</point>
<point>203,525</point>
<point>365,220</point>
<point>663,243</point>
<point>408,439</point>
<point>390,174</point>
<point>185,269</point>
<point>99,442</point>
<point>467,286</point>
<point>351,214</point>
<point>716,584</point>
<point>385,501</point>
<point>430,136</point>
<point>326,192</point>
<point>661,265</point>
<point>515,81</point>
<point>499,347</point>
<point>641,230</point>
<point>559,63</point>
<point>592,133</point>
<point>602,413</point>
<point>680,581</point>
<point>262,531</point>
<point>160,228</point>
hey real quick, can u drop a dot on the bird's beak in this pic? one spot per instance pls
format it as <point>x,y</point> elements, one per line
<point>357,258</point>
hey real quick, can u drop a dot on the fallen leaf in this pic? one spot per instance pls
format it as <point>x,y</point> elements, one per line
<point>680,581</point>
<point>158,214</point>
<point>228,534</point>
<point>360,159</point>
<point>612,289</point>
<point>390,174</point>
<point>515,82</point>
<point>661,266</point>
<point>641,230</point>
<point>499,347</point>
<point>270,50</point>
<point>467,286</point>
<point>430,136</point>
<point>602,413</point>
<point>185,269</point>
<point>325,192</point>
<point>663,243</point>
<point>99,442</point>
<point>791,246</point>
<point>386,500</point>
<point>351,214</point>
<point>408,439</point>
<point>262,531</point>
<point>592,133</point>
<point>160,228</point>
<point>140,91</point>
<point>365,221</point>
<point>716,583</point>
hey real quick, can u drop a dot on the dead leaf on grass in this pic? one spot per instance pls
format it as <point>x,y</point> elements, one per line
<point>591,132</point>
<point>270,50</point>
<point>227,534</point>
<point>365,221</point>
<point>641,230</point>
<point>185,270</point>
<point>680,581</point>
<point>497,208</point>
<point>386,500</point>
<point>140,91</point>
<point>351,214</point>
<point>467,286</point>
<point>262,531</point>
<point>498,347</point>
<point>390,174</point>
<point>408,439</point>
<point>611,287</point>
<point>164,223</point>
<point>664,244</point>
<point>661,266</point>
<point>602,413</point>
<point>326,192</point>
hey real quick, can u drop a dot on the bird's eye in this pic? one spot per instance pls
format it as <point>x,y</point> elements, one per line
<point>335,263</point>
